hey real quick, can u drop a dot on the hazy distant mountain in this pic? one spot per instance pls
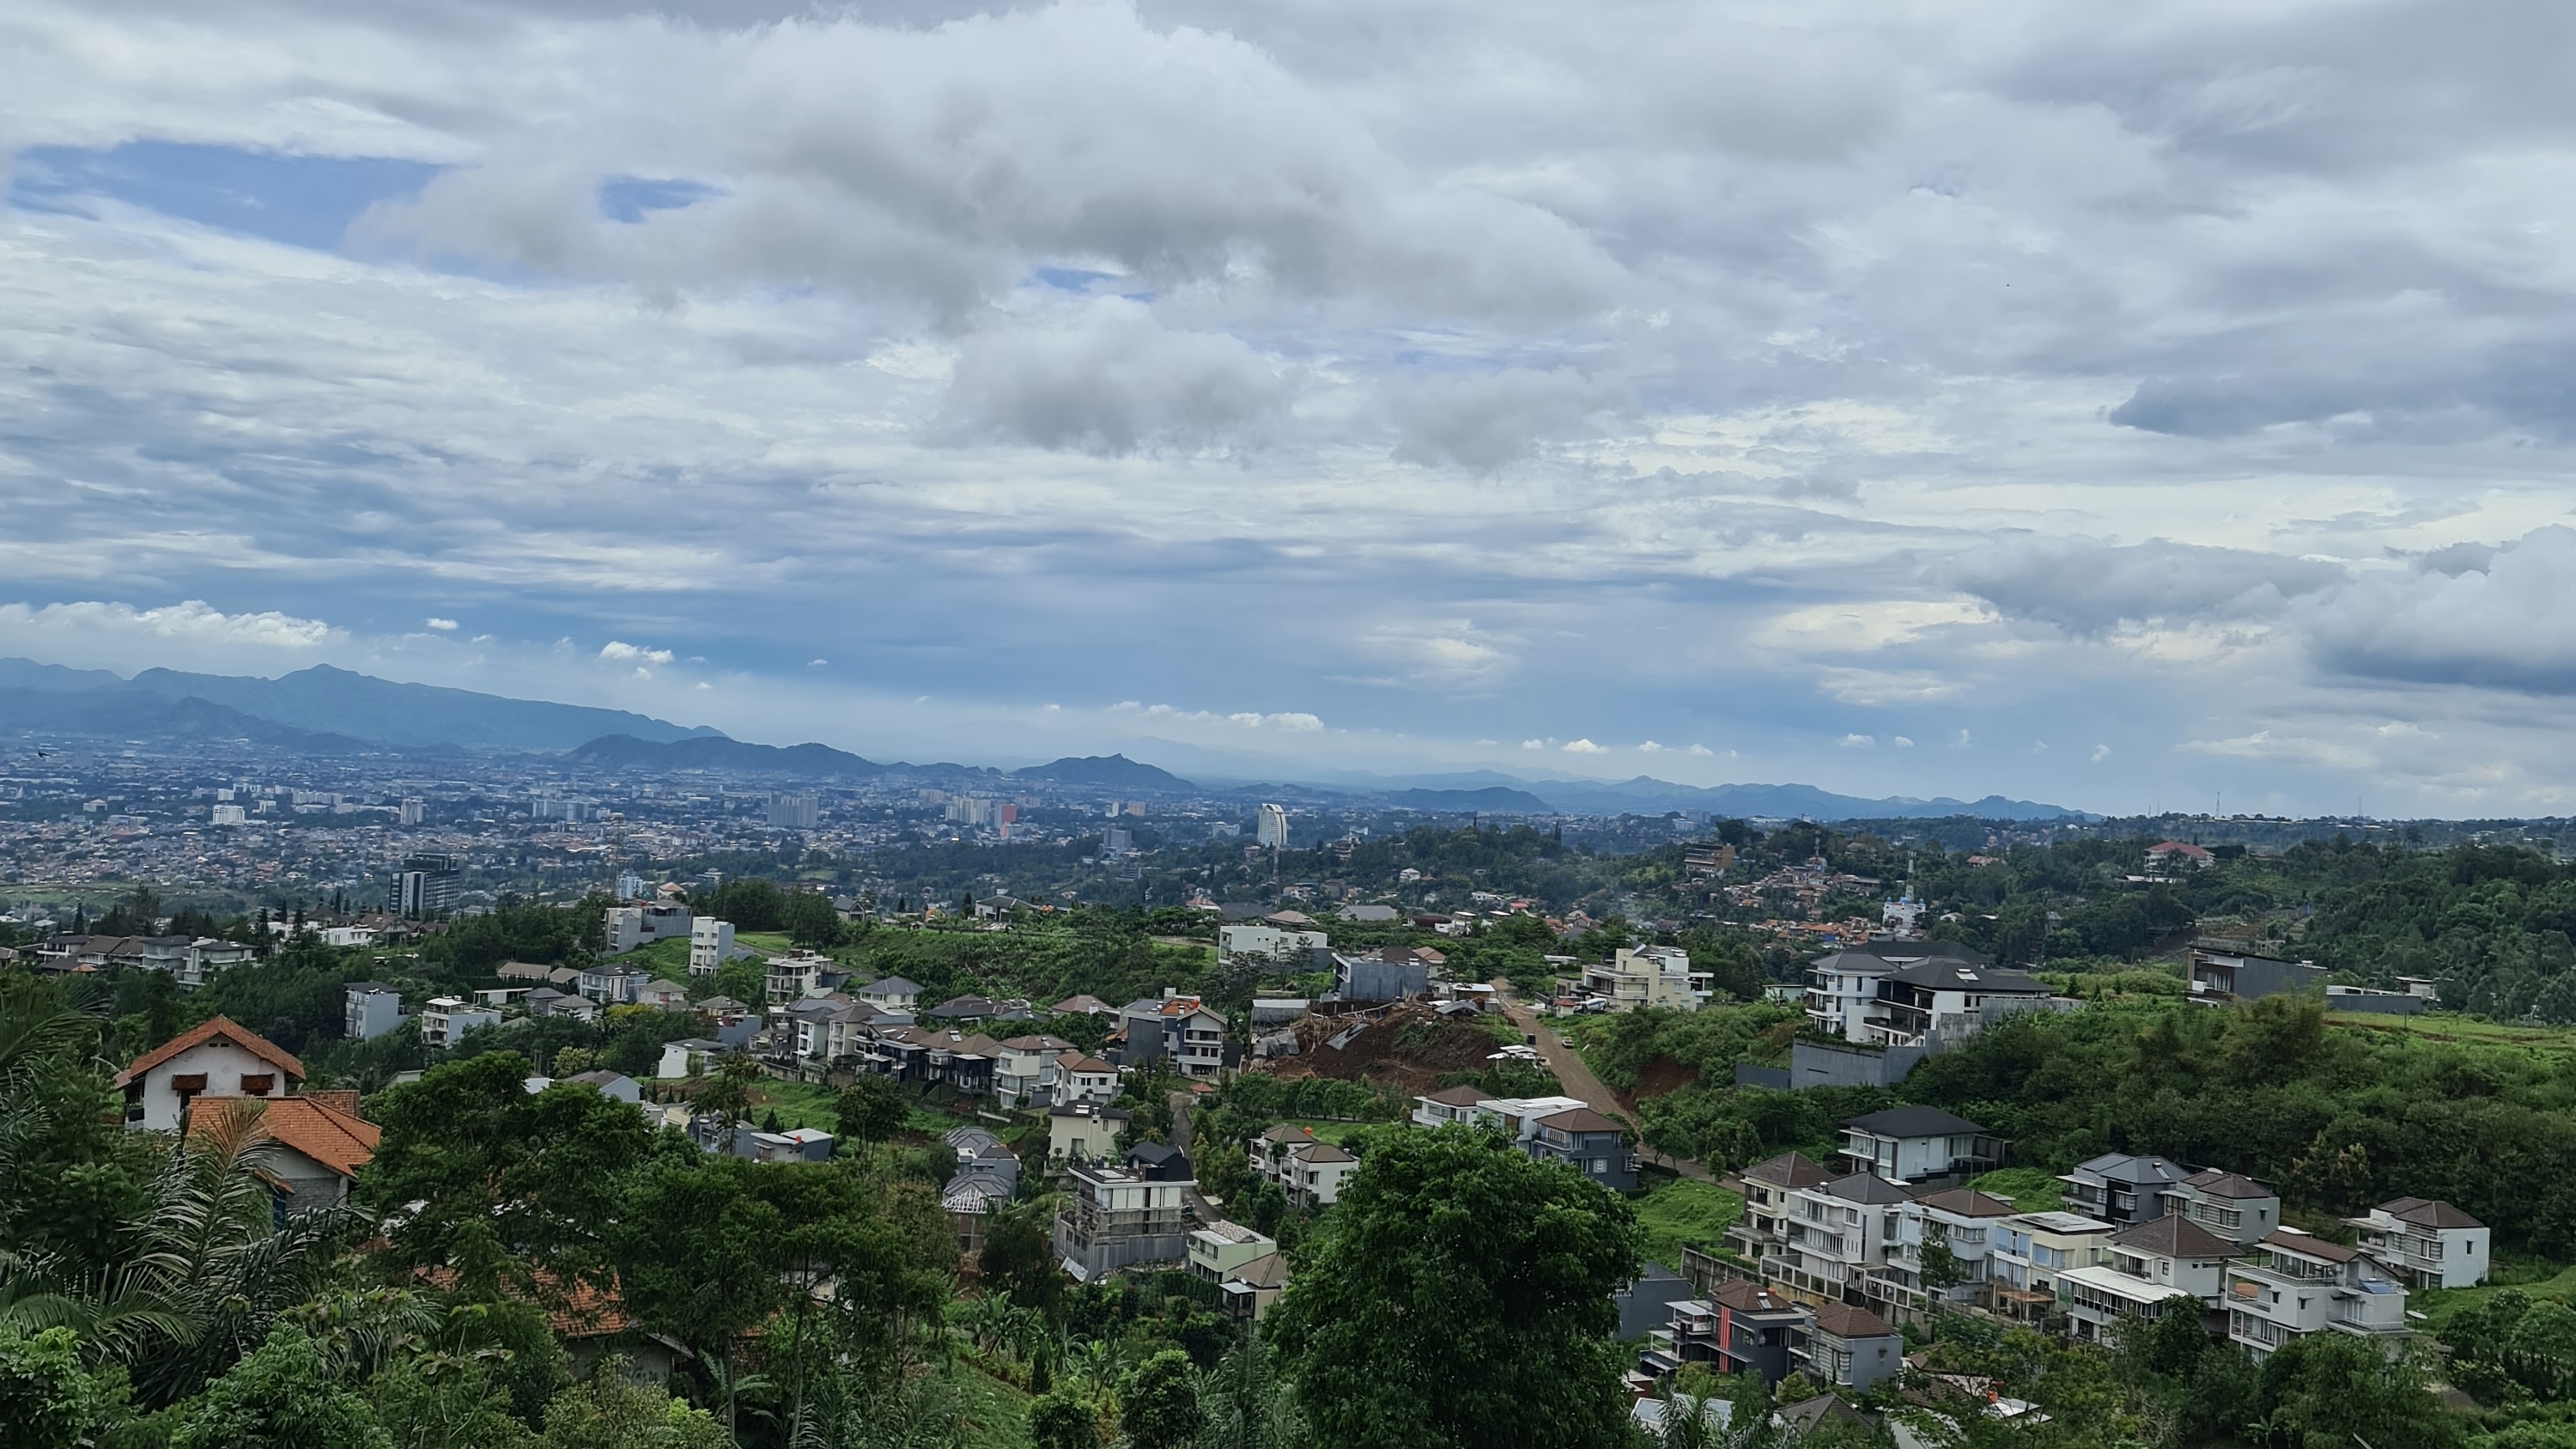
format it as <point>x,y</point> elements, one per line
<point>1646,795</point>
<point>715,752</point>
<point>335,701</point>
<point>124,714</point>
<point>1108,772</point>
<point>1492,799</point>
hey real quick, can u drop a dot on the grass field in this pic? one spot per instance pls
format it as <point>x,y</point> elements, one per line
<point>990,1414</point>
<point>799,1104</point>
<point>1337,1133</point>
<point>1679,1212</point>
<point>2448,1026</point>
<point>2031,1189</point>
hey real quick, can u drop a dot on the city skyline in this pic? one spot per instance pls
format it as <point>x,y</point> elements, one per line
<point>2120,410</point>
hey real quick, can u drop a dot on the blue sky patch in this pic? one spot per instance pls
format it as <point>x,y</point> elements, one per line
<point>630,198</point>
<point>304,201</point>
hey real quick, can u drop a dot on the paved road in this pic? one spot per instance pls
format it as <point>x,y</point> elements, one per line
<point>1180,1121</point>
<point>1579,1081</point>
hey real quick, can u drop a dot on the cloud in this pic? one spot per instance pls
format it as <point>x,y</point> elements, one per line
<point>1442,654</point>
<point>1650,748</point>
<point>1483,421</point>
<point>1291,721</point>
<point>1856,742</point>
<point>1109,380</point>
<point>619,649</point>
<point>2101,753</point>
<point>1533,744</point>
<point>1902,743</point>
<point>2090,589</point>
<point>444,626</point>
<point>2508,624</point>
<point>1583,747</point>
<point>2286,749</point>
<point>191,621</point>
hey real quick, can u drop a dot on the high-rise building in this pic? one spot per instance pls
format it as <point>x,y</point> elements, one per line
<point>414,811</point>
<point>797,811</point>
<point>629,885</point>
<point>428,885</point>
<point>1115,842</point>
<point>1273,830</point>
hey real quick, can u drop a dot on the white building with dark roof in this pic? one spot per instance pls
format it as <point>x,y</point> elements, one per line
<point>2426,1243</point>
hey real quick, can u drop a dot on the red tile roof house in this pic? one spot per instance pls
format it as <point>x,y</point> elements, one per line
<point>316,1143</point>
<point>217,1058</point>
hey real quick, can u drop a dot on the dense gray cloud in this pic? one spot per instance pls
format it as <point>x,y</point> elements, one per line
<point>2184,388</point>
<point>2091,588</point>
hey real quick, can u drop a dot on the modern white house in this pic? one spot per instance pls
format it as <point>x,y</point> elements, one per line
<point>215,1058</point>
<point>1843,996</point>
<point>641,923</point>
<point>2143,1269</point>
<point>2033,1253</point>
<point>1838,1233</point>
<point>1914,1143</point>
<point>710,945</point>
<point>2292,1284</point>
<point>2226,1204</point>
<point>1250,941</point>
<point>1961,1218</point>
<point>1648,976</point>
<point>446,1019</point>
<point>891,993</point>
<point>2427,1243</point>
<point>373,1009</point>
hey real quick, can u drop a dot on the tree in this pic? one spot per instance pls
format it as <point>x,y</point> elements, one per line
<point>610,1413</point>
<point>869,1109</point>
<point>500,1173</point>
<point>1160,1409</point>
<point>728,1095</point>
<point>1018,1259</point>
<point>285,1395</point>
<point>48,1397</point>
<point>697,1253</point>
<point>810,921</point>
<point>1460,1295</point>
<point>1941,1268</point>
<point>1063,1421</point>
<point>2331,1390</point>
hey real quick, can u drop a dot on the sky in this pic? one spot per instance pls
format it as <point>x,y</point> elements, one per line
<point>2128,406</point>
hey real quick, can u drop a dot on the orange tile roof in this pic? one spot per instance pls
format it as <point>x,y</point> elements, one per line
<point>218,1028</point>
<point>582,1311</point>
<point>338,1140</point>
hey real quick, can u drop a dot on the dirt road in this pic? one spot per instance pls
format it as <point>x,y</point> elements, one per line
<point>1579,1081</point>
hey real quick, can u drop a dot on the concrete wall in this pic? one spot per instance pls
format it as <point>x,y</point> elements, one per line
<point>1815,1064</point>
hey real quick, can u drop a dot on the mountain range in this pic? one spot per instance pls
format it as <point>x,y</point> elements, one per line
<point>325,710</point>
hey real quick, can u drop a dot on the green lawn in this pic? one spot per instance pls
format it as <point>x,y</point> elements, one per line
<point>2540,1279</point>
<point>2450,1026</point>
<point>1681,1212</point>
<point>799,1104</point>
<point>1337,1133</point>
<point>2030,1189</point>
<point>990,1414</point>
<point>665,960</point>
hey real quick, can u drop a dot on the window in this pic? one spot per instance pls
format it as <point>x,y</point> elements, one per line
<point>258,1086</point>
<point>1600,1166</point>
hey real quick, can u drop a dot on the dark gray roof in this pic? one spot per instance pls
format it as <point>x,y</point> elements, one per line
<point>1913,1121</point>
<point>1867,1188</point>
<point>1943,974</point>
<point>1911,950</point>
<point>2216,1183</point>
<point>2123,1167</point>
<point>2174,1237</point>
<point>2428,1212</point>
<point>1789,1169</point>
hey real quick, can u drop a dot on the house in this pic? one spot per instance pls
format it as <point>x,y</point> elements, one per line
<point>1843,989</point>
<point>1366,912</point>
<point>1448,1106</point>
<point>2119,1188</point>
<point>2143,1268</point>
<point>1269,943</point>
<point>1278,1011</point>
<point>2220,977</point>
<point>1084,1131</point>
<point>1738,1328</point>
<point>1221,1247</point>
<point>798,974</point>
<point>610,984</point>
<point>668,995</point>
<point>2230,1206</point>
<point>1962,1219</point>
<point>641,923</point>
<point>207,958</point>
<point>1590,1143</point>
<point>1388,974</point>
<point>1312,1175</point>
<point>2291,1285</point>
<point>615,1085</point>
<point>1839,1232</point>
<point>1083,1006</point>
<point>446,1019</point>
<point>217,1057</point>
<point>316,1144</point>
<point>892,994</point>
<point>1760,1235</point>
<point>2426,1243</point>
<point>1175,1029</point>
<point>1849,1348</point>
<point>797,1144</point>
<point>1268,1153</point>
<point>1915,1144</point>
<point>1246,1292</point>
<point>828,1029</point>
<point>2031,1255</point>
<point>1081,1078</point>
<point>966,1010</point>
<point>1648,976</point>
<point>1026,1074</point>
<point>1927,999</point>
<point>546,1001</point>
<point>1113,1219</point>
<point>2171,859</point>
<point>372,1010</point>
<point>710,945</point>
<point>1157,1162</point>
<point>688,1057</point>
<point>971,1203</point>
<point>980,1154</point>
